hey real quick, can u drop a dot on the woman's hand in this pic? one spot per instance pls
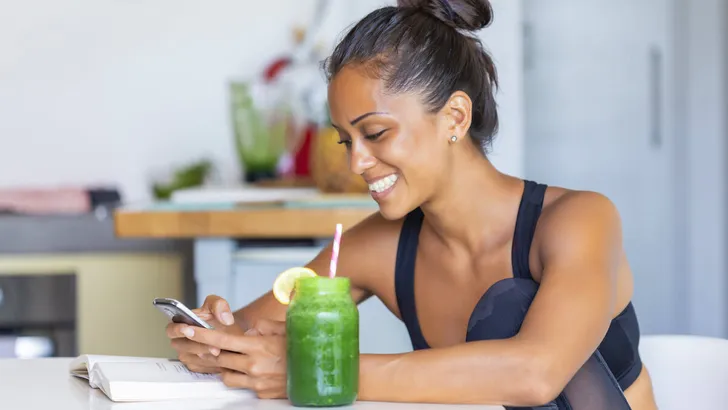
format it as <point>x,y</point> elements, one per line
<point>196,356</point>
<point>255,360</point>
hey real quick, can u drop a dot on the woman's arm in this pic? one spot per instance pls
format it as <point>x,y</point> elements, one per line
<point>373,236</point>
<point>352,264</point>
<point>582,247</point>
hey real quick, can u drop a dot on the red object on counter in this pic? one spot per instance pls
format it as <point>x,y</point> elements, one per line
<point>302,158</point>
<point>273,69</point>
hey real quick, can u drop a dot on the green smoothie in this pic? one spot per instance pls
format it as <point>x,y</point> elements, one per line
<point>322,334</point>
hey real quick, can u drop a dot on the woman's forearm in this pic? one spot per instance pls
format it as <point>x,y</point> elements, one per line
<point>498,372</point>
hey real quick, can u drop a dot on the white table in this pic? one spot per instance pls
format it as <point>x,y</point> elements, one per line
<point>41,384</point>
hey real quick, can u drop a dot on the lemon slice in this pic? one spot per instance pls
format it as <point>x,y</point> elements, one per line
<point>286,280</point>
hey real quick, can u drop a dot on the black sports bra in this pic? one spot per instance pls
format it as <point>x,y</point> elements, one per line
<point>500,312</point>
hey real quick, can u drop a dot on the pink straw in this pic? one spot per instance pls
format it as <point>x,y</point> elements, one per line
<point>335,251</point>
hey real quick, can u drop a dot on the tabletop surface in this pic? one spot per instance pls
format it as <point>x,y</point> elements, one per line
<point>312,217</point>
<point>40,384</point>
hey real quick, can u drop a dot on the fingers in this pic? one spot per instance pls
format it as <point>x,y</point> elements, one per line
<point>219,308</point>
<point>264,388</point>
<point>223,340</point>
<point>199,364</point>
<point>174,330</point>
<point>237,379</point>
<point>235,361</point>
<point>203,314</point>
<point>178,333</point>
<point>184,345</point>
<point>180,342</point>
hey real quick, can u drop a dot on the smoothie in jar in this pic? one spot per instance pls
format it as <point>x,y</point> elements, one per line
<point>322,336</point>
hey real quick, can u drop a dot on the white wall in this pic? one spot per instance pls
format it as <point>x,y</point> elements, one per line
<point>111,91</point>
<point>703,43</point>
<point>505,41</point>
<point>676,220</point>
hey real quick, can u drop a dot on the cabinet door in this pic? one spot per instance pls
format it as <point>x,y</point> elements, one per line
<point>597,87</point>
<point>256,269</point>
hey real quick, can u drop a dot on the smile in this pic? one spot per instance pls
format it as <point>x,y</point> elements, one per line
<point>383,184</point>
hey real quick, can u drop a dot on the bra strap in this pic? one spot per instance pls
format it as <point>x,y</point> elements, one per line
<point>404,276</point>
<point>529,211</point>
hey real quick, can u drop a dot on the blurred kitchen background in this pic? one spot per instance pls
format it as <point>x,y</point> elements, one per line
<point>110,103</point>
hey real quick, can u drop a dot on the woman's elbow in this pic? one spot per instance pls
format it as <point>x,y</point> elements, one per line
<point>543,385</point>
<point>539,392</point>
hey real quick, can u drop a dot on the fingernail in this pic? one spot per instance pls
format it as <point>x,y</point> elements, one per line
<point>227,318</point>
<point>215,351</point>
<point>188,332</point>
<point>200,355</point>
<point>251,332</point>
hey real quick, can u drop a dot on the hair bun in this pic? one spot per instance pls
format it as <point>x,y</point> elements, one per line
<point>468,15</point>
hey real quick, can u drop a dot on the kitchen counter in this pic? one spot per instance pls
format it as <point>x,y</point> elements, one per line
<point>303,218</point>
<point>42,384</point>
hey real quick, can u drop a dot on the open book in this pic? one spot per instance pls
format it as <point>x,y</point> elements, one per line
<point>127,379</point>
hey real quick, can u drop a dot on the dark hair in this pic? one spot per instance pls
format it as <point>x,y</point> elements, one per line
<point>427,46</point>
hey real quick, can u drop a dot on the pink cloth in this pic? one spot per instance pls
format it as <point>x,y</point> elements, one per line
<point>45,201</point>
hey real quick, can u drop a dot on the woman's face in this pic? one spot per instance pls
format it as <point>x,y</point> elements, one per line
<point>400,149</point>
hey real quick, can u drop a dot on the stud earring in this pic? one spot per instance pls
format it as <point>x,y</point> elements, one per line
<point>454,138</point>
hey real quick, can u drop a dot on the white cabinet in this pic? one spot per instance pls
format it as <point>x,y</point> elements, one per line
<point>599,88</point>
<point>255,269</point>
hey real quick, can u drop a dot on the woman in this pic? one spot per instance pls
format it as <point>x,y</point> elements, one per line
<point>534,278</point>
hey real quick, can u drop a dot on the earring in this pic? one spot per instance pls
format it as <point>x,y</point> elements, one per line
<point>454,138</point>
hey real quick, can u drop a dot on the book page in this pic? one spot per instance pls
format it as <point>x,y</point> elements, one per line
<point>151,381</point>
<point>82,365</point>
<point>152,372</point>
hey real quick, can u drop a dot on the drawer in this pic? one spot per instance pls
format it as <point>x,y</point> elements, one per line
<point>37,299</point>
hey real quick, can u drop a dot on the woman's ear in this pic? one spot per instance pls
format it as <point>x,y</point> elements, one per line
<point>458,112</point>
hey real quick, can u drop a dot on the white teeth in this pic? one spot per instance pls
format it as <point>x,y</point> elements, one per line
<point>383,184</point>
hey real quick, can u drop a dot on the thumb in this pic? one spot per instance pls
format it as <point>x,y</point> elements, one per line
<point>220,309</point>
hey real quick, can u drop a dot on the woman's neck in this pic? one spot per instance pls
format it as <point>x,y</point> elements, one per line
<point>476,206</point>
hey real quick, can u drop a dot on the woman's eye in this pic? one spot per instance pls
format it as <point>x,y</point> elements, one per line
<point>376,135</point>
<point>370,137</point>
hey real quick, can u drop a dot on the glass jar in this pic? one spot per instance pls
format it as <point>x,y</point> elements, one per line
<point>322,336</point>
<point>261,122</point>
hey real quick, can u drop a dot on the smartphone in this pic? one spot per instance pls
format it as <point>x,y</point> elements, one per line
<point>179,313</point>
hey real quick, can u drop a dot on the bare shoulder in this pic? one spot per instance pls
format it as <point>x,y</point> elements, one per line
<point>563,204</point>
<point>571,219</point>
<point>367,254</point>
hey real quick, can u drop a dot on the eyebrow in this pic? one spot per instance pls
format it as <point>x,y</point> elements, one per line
<point>361,117</point>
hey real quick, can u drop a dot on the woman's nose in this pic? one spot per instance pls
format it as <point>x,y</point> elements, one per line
<point>360,158</point>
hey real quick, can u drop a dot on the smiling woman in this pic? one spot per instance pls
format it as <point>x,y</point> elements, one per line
<point>513,293</point>
<point>453,70</point>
